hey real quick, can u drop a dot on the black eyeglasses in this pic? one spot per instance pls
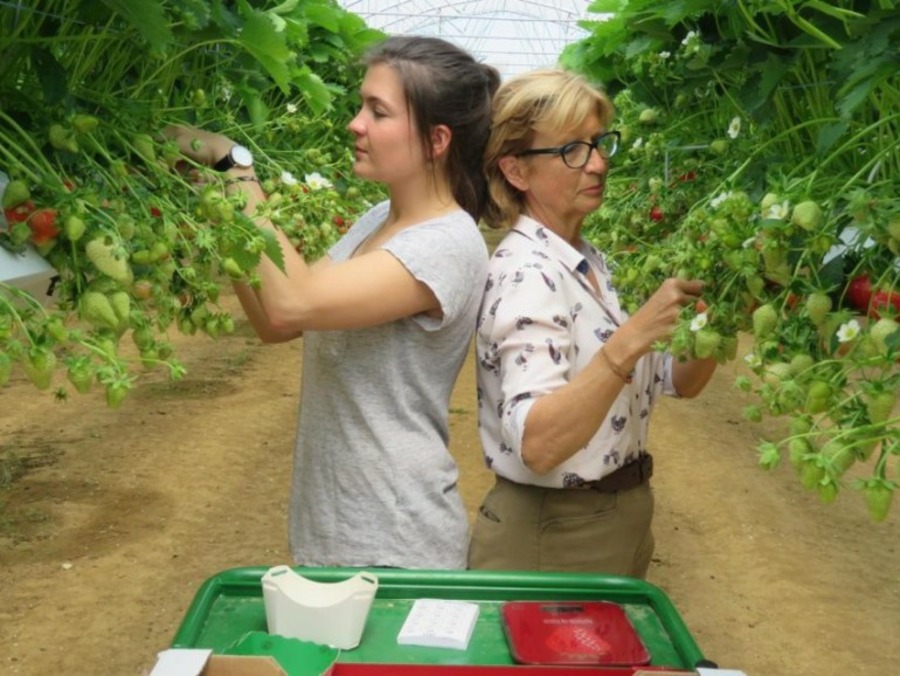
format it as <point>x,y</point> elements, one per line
<point>577,153</point>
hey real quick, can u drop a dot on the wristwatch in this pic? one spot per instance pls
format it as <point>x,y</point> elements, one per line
<point>238,156</point>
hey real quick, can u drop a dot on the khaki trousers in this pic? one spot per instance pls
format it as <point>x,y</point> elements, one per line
<point>521,527</point>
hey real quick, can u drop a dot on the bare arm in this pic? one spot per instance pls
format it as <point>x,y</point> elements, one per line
<point>562,422</point>
<point>368,290</point>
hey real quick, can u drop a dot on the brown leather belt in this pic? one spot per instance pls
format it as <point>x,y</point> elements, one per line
<point>627,476</point>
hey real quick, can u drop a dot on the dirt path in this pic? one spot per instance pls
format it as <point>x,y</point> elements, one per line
<point>121,515</point>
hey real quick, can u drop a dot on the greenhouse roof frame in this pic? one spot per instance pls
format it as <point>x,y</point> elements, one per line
<point>512,35</point>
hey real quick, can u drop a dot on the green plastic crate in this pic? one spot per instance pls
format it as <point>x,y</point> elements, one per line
<point>230,604</point>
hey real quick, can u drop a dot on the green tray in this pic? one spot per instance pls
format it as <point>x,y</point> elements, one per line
<point>230,604</point>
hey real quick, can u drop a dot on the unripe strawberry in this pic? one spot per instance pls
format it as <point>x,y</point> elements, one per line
<point>115,394</point>
<point>811,473</point>
<point>108,259</point>
<point>15,193</point>
<point>62,139</point>
<point>96,309</point>
<point>74,228</point>
<point>81,376</point>
<point>798,449</point>
<point>5,368</point>
<point>839,456</point>
<point>85,124</point>
<point>706,342</point>
<point>145,147</point>
<point>121,305</point>
<point>879,495</point>
<point>881,331</point>
<point>767,202</point>
<point>808,215</point>
<point>818,397</point>
<point>818,305</point>
<point>777,374</point>
<point>648,116</point>
<point>879,406</point>
<point>765,319</point>
<point>719,146</point>
<point>39,367</point>
<point>801,363</point>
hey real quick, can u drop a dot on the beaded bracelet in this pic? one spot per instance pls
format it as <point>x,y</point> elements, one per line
<point>241,179</point>
<point>616,369</point>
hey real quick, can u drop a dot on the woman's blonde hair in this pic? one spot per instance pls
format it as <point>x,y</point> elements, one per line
<point>549,101</point>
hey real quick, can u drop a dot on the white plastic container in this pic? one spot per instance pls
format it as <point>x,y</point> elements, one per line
<point>330,613</point>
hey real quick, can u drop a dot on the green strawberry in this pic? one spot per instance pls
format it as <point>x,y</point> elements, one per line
<point>5,368</point>
<point>121,305</point>
<point>808,215</point>
<point>96,309</point>
<point>883,329</point>
<point>798,449</point>
<point>801,425</point>
<point>828,490</point>
<point>811,473</point>
<point>648,116</point>
<point>818,305</point>
<point>80,374</point>
<point>728,351</point>
<point>765,318</point>
<point>878,494</point>
<point>879,406</point>
<point>839,456</point>
<point>145,147</point>
<point>777,374</point>
<point>39,367</point>
<point>769,200</point>
<point>115,394</point>
<point>62,139</point>
<point>74,228</point>
<point>108,259</point>
<point>894,228</point>
<point>818,397</point>
<point>706,342</point>
<point>801,363</point>
<point>15,193</point>
<point>85,124</point>
<point>143,337</point>
<point>752,413</point>
<point>719,146</point>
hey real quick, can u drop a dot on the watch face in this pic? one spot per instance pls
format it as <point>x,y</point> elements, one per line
<point>241,156</point>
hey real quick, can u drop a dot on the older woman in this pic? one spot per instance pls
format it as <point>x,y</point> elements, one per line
<point>566,379</point>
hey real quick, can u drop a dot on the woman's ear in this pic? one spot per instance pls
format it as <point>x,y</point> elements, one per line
<point>440,140</point>
<point>512,171</point>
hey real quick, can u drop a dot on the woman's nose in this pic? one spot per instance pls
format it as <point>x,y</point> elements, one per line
<point>355,125</point>
<point>596,164</point>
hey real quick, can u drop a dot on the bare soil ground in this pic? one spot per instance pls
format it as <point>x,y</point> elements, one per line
<point>110,520</point>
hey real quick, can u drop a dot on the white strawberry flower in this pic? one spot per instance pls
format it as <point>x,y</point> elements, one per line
<point>779,211</point>
<point>752,360</point>
<point>718,199</point>
<point>288,178</point>
<point>698,322</point>
<point>316,181</point>
<point>687,38</point>
<point>848,331</point>
<point>291,108</point>
<point>664,55</point>
<point>637,144</point>
<point>734,129</point>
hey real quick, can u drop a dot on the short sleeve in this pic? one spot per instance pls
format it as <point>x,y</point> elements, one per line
<point>449,256</point>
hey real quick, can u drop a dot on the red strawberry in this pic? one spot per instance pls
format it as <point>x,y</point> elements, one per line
<point>19,213</point>
<point>43,226</point>
<point>884,300</point>
<point>656,214</point>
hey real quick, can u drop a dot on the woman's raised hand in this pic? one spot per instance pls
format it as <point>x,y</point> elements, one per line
<point>204,147</point>
<point>657,317</point>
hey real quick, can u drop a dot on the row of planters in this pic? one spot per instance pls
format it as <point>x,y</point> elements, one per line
<point>141,240</point>
<point>763,156</point>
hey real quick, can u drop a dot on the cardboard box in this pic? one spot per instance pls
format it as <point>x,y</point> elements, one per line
<point>196,662</point>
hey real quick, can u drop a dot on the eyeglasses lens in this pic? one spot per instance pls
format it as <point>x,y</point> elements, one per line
<point>576,155</point>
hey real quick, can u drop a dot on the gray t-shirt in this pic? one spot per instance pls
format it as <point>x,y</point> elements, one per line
<point>374,483</point>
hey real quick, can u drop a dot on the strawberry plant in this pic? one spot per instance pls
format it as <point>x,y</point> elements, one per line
<point>141,239</point>
<point>761,155</point>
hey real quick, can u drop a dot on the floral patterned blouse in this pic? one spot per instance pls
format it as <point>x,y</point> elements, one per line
<point>539,325</point>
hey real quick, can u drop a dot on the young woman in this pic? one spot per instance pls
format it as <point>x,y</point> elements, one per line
<point>386,316</point>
